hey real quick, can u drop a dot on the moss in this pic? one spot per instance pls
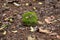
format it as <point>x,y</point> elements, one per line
<point>29,18</point>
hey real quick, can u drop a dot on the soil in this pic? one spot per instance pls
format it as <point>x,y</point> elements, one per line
<point>48,12</point>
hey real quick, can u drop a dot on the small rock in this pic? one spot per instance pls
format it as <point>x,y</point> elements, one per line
<point>6,19</point>
<point>11,20</point>
<point>32,29</point>
<point>40,3</point>
<point>4,33</point>
<point>15,31</point>
<point>27,4</point>
<point>34,8</point>
<point>16,4</point>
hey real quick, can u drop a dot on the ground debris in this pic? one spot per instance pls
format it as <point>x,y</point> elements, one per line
<point>31,38</point>
<point>16,4</point>
<point>44,31</point>
<point>3,33</point>
<point>33,29</point>
<point>50,19</point>
<point>15,31</point>
<point>40,22</point>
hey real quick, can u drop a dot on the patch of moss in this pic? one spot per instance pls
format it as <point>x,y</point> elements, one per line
<point>29,18</point>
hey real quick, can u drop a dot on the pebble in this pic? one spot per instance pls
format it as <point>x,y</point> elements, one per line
<point>34,8</point>
<point>11,20</point>
<point>32,29</point>
<point>4,33</point>
<point>15,31</point>
<point>6,19</point>
<point>40,3</point>
<point>16,4</point>
<point>27,4</point>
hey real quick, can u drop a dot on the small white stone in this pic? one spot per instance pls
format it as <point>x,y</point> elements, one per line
<point>16,4</point>
<point>27,4</point>
<point>4,32</point>
<point>34,8</point>
<point>40,3</point>
<point>14,31</point>
<point>32,29</point>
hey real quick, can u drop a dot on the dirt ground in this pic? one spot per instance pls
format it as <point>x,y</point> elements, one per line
<point>48,27</point>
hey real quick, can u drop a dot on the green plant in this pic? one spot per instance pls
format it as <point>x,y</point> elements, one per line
<point>3,26</point>
<point>29,18</point>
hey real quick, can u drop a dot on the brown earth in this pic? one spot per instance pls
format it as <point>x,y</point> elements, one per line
<point>48,12</point>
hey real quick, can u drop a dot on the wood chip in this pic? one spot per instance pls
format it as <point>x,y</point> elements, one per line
<point>4,33</point>
<point>16,4</point>
<point>53,33</point>
<point>44,31</point>
<point>15,31</point>
<point>40,3</point>
<point>39,22</point>
<point>48,21</point>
